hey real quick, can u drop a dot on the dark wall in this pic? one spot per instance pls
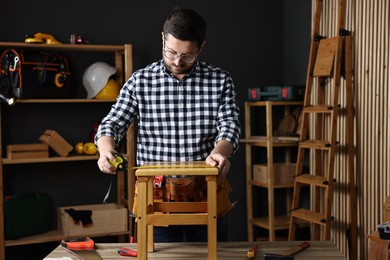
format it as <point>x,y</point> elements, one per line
<point>296,40</point>
<point>258,42</point>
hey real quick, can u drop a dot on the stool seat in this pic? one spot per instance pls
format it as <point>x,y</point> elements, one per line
<point>180,213</point>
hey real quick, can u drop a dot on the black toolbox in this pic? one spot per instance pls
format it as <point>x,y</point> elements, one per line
<point>27,214</point>
<point>384,230</point>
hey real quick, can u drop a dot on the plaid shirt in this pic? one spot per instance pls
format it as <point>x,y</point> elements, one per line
<point>178,120</point>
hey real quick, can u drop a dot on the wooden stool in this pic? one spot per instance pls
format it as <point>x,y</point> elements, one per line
<point>180,213</point>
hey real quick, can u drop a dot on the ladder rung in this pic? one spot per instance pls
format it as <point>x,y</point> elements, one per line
<point>310,216</point>
<point>318,109</point>
<point>320,181</point>
<point>315,144</point>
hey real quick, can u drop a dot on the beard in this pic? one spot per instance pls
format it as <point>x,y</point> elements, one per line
<point>180,68</point>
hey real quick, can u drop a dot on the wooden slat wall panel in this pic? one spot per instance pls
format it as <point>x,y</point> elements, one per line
<point>369,22</point>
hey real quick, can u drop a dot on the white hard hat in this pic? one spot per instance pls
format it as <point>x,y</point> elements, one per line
<point>96,76</point>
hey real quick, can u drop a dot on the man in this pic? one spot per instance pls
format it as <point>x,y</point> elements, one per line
<point>185,110</point>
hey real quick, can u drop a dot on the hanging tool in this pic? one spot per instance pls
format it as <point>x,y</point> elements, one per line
<point>288,254</point>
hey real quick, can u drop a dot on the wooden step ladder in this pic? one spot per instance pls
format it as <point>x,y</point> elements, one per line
<point>329,59</point>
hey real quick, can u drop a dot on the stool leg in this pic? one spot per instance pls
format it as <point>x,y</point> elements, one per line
<point>150,207</point>
<point>212,216</point>
<point>142,236</point>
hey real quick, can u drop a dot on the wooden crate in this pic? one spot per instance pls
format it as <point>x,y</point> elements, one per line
<point>23,151</point>
<point>56,142</point>
<point>106,218</point>
<point>378,249</point>
<point>283,173</point>
<point>386,210</point>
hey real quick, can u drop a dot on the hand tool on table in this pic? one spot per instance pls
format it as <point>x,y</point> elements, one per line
<point>84,243</point>
<point>252,252</point>
<point>82,248</point>
<point>288,254</point>
<point>124,251</point>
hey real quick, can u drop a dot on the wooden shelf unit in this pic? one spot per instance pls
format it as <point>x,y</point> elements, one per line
<point>268,142</point>
<point>123,60</point>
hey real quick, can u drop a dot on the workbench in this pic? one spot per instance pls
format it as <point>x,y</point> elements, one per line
<point>318,250</point>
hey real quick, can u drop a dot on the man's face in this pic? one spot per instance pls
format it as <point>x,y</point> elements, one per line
<point>179,56</point>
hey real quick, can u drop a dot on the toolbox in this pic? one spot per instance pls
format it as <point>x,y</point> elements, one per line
<point>278,93</point>
<point>384,230</point>
<point>27,214</point>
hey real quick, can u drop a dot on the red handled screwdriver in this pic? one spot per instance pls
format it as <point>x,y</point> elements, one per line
<point>126,252</point>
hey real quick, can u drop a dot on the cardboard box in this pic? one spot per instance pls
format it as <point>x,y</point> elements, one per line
<point>106,218</point>
<point>283,173</point>
<point>386,210</point>
<point>56,142</point>
<point>22,151</point>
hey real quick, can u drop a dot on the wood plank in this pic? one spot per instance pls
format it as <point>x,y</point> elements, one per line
<point>319,250</point>
<point>323,66</point>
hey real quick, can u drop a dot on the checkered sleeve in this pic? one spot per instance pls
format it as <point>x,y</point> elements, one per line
<point>228,124</point>
<point>121,114</point>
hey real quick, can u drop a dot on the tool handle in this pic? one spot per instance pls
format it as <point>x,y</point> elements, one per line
<point>252,252</point>
<point>126,252</point>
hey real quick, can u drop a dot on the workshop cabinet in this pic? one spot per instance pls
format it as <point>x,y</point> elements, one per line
<point>70,114</point>
<point>270,163</point>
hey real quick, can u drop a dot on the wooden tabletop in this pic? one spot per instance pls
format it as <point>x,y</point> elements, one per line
<point>176,168</point>
<point>318,250</point>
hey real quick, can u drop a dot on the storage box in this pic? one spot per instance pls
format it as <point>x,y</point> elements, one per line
<point>384,230</point>
<point>283,173</point>
<point>106,218</point>
<point>378,249</point>
<point>27,214</point>
<point>295,93</point>
<point>21,151</point>
<point>386,210</point>
<point>56,142</point>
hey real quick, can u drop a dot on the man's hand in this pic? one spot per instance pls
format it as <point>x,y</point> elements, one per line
<point>106,149</point>
<point>220,161</point>
<point>219,158</point>
<point>104,164</point>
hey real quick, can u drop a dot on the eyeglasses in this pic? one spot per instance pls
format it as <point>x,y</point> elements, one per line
<point>172,55</point>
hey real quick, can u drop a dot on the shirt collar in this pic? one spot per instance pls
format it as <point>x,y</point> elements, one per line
<point>167,72</point>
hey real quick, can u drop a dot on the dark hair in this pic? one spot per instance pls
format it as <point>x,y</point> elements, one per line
<point>185,25</point>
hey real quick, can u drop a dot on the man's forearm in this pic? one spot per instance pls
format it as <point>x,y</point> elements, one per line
<point>106,143</point>
<point>223,147</point>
